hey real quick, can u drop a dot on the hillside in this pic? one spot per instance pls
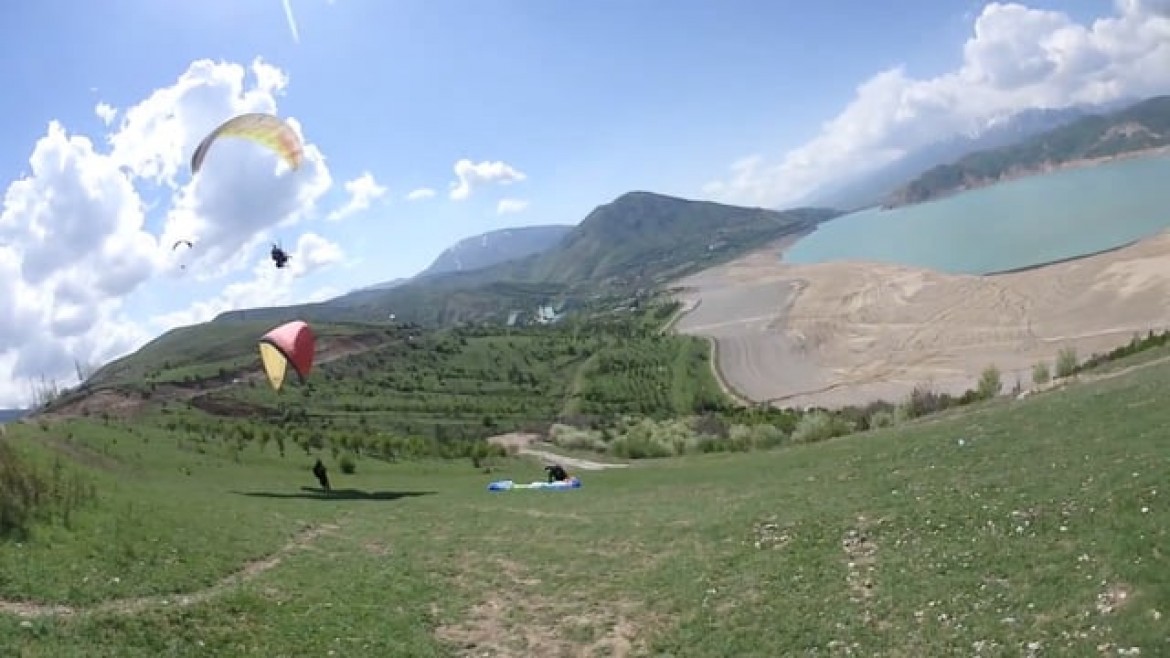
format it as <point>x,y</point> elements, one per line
<point>495,247</point>
<point>1140,128</point>
<point>642,239</point>
<point>1015,528</point>
<point>408,381</point>
<point>638,241</point>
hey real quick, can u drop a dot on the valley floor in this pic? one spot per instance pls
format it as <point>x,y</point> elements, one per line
<point>835,334</point>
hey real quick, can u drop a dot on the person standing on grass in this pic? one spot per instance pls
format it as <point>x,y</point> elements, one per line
<point>322,475</point>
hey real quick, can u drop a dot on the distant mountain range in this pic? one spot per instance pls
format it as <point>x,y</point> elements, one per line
<point>492,248</point>
<point>1140,128</point>
<point>876,187</point>
<point>485,250</point>
<point>11,415</point>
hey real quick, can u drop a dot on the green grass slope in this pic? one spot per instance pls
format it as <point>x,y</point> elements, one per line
<point>1036,527</point>
<point>1142,127</point>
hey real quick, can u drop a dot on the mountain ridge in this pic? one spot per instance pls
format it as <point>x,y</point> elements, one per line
<point>872,188</point>
<point>496,246</point>
<point>1142,128</point>
<point>638,240</point>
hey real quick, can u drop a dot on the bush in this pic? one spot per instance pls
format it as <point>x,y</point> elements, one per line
<point>923,401</point>
<point>572,438</point>
<point>1066,362</point>
<point>882,418</point>
<point>347,464</point>
<point>640,447</point>
<point>27,495</point>
<point>820,426</point>
<point>1041,374</point>
<point>990,383</point>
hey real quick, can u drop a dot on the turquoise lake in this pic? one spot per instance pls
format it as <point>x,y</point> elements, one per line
<point>1015,224</point>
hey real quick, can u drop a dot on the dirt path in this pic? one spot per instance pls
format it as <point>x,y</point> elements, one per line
<point>713,361</point>
<point>30,610</point>
<point>572,462</point>
<point>523,442</point>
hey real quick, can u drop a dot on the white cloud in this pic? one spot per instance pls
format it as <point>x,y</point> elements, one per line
<point>470,175</point>
<point>1017,58</point>
<point>362,191</point>
<point>76,237</point>
<point>106,112</point>
<point>420,194</point>
<point>506,206</point>
<point>269,286</point>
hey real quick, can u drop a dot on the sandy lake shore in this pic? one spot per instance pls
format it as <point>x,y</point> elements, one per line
<point>841,333</point>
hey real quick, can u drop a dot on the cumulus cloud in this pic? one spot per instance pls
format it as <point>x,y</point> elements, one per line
<point>243,190</point>
<point>107,113</point>
<point>77,239</point>
<point>362,190</point>
<point>1016,58</point>
<point>470,175</point>
<point>507,206</point>
<point>420,194</point>
<point>268,286</point>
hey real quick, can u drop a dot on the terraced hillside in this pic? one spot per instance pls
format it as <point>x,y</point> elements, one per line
<point>460,383</point>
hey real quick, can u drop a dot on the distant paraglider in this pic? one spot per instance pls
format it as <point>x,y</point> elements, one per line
<point>290,343</point>
<point>266,129</point>
<point>190,245</point>
<point>279,256</point>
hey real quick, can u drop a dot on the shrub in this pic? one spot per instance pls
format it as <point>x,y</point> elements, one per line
<point>1066,362</point>
<point>28,495</point>
<point>990,383</point>
<point>347,464</point>
<point>639,447</point>
<point>924,400</point>
<point>1041,373</point>
<point>881,418</point>
<point>820,426</point>
<point>572,438</point>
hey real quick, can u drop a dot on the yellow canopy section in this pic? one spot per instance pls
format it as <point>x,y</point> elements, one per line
<point>274,364</point>
<point>265,129</point>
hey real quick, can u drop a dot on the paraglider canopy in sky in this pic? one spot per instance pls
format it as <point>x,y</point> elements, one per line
<point>266,129</point>
<point>291,343</point>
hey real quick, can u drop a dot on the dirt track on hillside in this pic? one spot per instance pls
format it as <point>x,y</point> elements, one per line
<point>31,610</point>
<point>522,442</point>
<point>845,333</point>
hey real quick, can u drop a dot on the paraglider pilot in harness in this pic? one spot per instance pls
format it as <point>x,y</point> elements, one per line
<point>556,473</point>
<point>278,256</point>
<point>322,476</point>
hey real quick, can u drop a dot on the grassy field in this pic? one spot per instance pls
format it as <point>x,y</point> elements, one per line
<point>1015,528</point>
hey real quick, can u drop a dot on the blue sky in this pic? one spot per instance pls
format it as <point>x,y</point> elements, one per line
<point>754,102</point>
<point>589,99</point>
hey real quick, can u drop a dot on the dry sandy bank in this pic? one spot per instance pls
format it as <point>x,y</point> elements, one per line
<point>850,332</point>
